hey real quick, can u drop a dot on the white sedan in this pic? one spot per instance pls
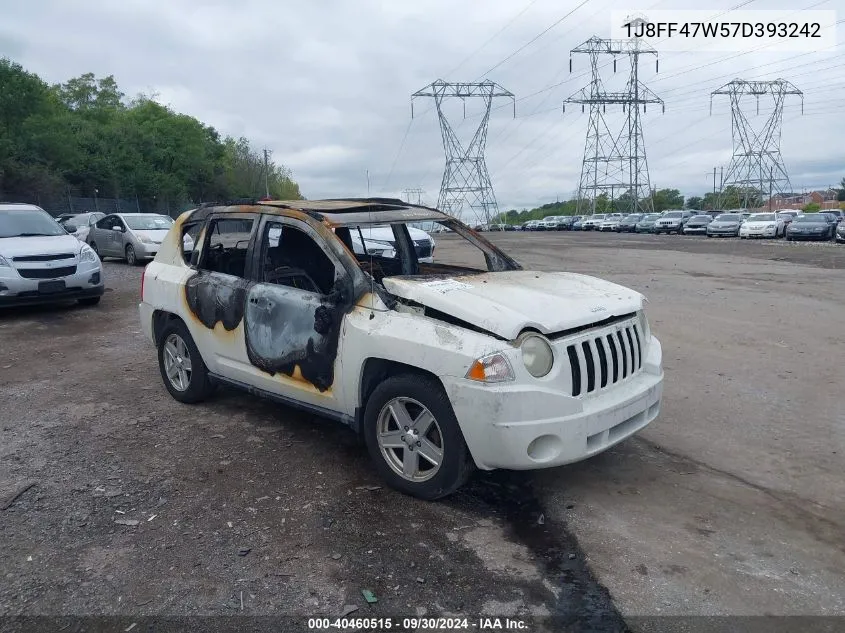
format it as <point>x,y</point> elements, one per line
<point>763,225</point>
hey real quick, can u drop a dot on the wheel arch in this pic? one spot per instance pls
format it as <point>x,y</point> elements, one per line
<point>373,372</point>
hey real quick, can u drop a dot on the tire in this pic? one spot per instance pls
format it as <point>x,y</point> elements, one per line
<point>413,391</point>
<point>131,257</point>
<point>199,386</point>
<point>89,301</point>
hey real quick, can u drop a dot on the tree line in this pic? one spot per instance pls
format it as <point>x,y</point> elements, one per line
<point>84,135</point>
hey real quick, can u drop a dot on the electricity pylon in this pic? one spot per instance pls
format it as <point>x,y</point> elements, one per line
<point>465,179</point>
<point>756,168</point>
<point>413,194</point>
<point>614,161</point>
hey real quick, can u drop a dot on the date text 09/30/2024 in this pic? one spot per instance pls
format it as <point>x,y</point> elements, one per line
<point>480,624</point>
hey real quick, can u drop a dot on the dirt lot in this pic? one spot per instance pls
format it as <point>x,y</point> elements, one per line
<point>732,502</point>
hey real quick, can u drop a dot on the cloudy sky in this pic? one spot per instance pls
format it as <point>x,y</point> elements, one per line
<point>326,84</point>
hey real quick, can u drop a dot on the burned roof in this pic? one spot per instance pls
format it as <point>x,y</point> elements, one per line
<point>342,211</point>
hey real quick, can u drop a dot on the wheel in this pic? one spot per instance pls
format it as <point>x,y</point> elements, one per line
<point>89,301</point>
<point>414,439</point>
<point>131,258</point>
<point>788,238</point>
<point>182,369</point>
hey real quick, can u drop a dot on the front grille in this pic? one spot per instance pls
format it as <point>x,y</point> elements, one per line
<point>423,249</point>
<point>43,258</point>
<point>46,273</point>
<point>605,358</point>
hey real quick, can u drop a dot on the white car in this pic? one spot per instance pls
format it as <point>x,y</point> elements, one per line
<point>79,225</point>
<point>441,367</point>
<point>763,225</point>
<point>379,240</point>
<point>41,263</point>
<point>131,236</point>
<point>592,222</point>
<point>611,222</point>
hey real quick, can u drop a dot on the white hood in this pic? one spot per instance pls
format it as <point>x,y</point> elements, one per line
<point>760,224</point>
<point>156,236</point>
<point>39,245</point>
<point>505,303</point>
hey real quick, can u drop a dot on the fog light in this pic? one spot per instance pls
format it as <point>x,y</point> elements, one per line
<point>95,278</point>
<point>545,448</point>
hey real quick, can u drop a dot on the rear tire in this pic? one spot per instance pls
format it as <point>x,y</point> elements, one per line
<point>416,392</point>
<point>187,382</point>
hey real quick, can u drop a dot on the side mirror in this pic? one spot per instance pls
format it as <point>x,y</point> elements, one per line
<point>116,228</point>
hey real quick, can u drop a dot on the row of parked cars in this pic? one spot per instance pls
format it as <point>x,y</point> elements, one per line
<point>791,224</point>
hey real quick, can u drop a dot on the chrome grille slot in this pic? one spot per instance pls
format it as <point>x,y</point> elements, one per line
<point>604,357</point>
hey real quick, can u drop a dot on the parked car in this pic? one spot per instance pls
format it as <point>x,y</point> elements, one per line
<point>838,214</point>
<point>811,226</point>
<point>787,215</point>
<point>565,222</point>
<point>381,241</point>
<point>840,233</point>
<point>697,224</point>
<point>539,369</point>
<point>592,222</point>
<point>41,263</point>
<point>80,225</point>
<point>725,225</point>
<point>762,225</point>
<point>672,221</point>
<point>646,225</point>
<point>578,224</point>
<point>628,224</point>
<point>611,222</point>
<point>130,236</point>
<point>530,225</point>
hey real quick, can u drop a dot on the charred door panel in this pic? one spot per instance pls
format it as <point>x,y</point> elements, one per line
<point>288,328</point>
<point>215,298</point>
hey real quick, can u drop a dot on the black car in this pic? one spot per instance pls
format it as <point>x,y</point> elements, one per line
<point>628,224</point>
<point>840,233</point>
<point>725,224</point>
<point>697,224</point>
<point>836,213</point>
<point>811,226</point>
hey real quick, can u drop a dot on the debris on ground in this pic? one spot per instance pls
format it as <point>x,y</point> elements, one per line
<point>336,556</point>
<point>541,519</point>
<point>420,579</point>
<point>10,495</point>
<point>370,488</point>
<point>369,596</point>
<point>347,609</point>
<point>129,522</point>
<point>244,551</point>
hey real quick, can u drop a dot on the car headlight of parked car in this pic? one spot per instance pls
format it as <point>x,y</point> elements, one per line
<point>643,322</point>
<point>86,254</point>
<point>4,263</point>
<point>537,355</point>
<point>492,368</point>
<point>145,239</point>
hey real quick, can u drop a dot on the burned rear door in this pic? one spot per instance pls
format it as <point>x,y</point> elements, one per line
<point>216,294</point>
<point>294,312</point>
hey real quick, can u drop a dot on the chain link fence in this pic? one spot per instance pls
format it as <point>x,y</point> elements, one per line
<point>57,205</point>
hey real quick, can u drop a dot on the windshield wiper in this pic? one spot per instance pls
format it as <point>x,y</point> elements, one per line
<point>32,235</point>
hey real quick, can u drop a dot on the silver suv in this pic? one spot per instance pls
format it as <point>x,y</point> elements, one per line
<point>41,263</point>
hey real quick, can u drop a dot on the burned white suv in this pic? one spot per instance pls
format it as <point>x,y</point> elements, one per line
<point>466,361</point>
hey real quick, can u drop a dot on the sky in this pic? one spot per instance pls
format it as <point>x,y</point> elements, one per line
<point>326,85</point>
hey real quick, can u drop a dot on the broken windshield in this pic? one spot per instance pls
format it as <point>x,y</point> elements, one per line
<point>407,249</point>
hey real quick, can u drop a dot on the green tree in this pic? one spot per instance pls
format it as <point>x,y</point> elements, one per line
<point>694,202</point>
<point>811,207</point>
<point>664,199</point>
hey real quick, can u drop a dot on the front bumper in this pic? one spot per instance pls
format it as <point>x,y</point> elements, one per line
<point>840,238</point>
<point>666,228</point>
<point>723,232</point>
<point>749,233</point>
<point>15,290</point>
<point>809,236</point>
<point>522,427</point>
<point>695,230</point>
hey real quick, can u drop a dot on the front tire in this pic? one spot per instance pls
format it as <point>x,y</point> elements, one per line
<point>131,257</point>
<point>414,438</point>
<point>182,369</point>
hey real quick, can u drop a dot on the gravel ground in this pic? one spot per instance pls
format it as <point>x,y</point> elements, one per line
<point>730,503</point>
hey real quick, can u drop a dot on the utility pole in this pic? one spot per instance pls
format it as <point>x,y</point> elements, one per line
<point>266,172</point>
<point>96,203</point>
<point>368,183</point>
<point>756,150</point>
<point>614,160</point>
<point>771,175</point>
<point>714,181</point>
<point>465,178</point>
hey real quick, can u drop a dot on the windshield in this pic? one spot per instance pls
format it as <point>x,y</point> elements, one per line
<point>549,218</point>
<point>811,218</point>
<point>762,217</point>
<point>458,252</point>
<point>148,222</point>
<point>674,214</point>
<point>700,218</point>
<point>597,216</point>
<point>633,217</point>
<point>28,223</point>
<point>727,217</point>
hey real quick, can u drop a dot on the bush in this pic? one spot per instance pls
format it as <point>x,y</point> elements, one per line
<point>811,207</point>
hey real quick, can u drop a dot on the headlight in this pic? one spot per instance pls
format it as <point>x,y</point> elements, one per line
<point>643,322</point>
<point>145,239</point>
<point>537,355</point>
<point>770,226</point>
<point>492,368</point>
<point>4,263</point>
<point>87,254</point>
